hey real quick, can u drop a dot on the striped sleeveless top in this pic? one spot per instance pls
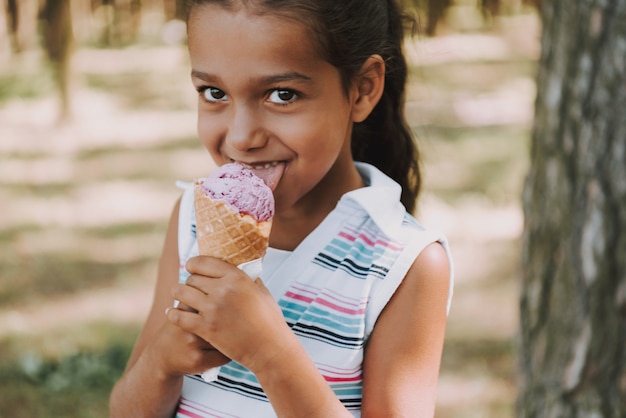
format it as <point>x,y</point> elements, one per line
<point>331,290</point>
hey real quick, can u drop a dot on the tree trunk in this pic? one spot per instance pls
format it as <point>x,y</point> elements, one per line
<point>13,24</point>
<point>20,17</point>
<point>436,10</point>
<point>573,295</point>
<point>58,42</point>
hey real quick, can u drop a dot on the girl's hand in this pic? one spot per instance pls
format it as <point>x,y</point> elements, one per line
<point>176,352</point>
<point>236,315</point>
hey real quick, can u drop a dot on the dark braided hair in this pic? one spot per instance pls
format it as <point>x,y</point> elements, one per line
<point>348,33</point>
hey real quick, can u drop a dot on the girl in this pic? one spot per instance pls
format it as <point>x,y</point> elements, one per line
<point>349,316</point>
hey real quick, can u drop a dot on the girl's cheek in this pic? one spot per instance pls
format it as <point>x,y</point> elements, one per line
<point>206,132</point>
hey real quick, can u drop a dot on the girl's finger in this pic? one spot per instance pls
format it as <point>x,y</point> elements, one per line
<point>182,307</point>
<point>189,297</point>
<point>200,282</point>
<point>207,266</point>
<point>187,321</point>
<point>207,281</point>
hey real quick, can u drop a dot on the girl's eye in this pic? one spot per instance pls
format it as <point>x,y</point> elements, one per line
<point>282,96</point>
<point>212,94</point>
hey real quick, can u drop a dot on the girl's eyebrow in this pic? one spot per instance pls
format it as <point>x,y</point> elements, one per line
<point>290,76</point>
<point>272,79</point>
<point>203,76</point>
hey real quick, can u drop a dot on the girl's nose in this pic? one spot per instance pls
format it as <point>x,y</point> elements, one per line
<point>245,131</point>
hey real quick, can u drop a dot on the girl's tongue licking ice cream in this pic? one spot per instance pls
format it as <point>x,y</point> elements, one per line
<point>242,189</point>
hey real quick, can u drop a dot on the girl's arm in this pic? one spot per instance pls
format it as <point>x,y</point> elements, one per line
<point>151,383</point>
<point>401,360</point>
<point>403,355</point>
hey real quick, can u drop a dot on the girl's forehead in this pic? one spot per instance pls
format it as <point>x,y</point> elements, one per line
<point>239,45</point>
<point>244,27</point>
<point>251,13</point>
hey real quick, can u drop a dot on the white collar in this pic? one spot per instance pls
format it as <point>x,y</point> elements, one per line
<point>380,198</point>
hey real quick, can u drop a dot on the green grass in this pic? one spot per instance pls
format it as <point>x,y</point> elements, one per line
<point>485,161</point>
<point>94,154</point>
<point>477,356</point>
<point>123,229</point>
<point>473,76</point>
<point>25,86</point>
<point>36,278</point>
<point>145,90</point>
<point>69,382</point>
<point>39,190</point>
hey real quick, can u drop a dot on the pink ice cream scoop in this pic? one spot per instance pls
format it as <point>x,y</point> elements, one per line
<point>242,189</point>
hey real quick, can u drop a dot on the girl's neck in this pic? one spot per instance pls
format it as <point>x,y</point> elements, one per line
<point>290,229</point>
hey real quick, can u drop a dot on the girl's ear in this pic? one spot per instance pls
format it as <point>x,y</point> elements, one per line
<point>369,86</point>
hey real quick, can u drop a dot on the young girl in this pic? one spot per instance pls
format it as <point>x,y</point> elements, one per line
<point>348,317</point>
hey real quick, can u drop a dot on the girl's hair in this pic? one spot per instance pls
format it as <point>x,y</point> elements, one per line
<point>348,33</point>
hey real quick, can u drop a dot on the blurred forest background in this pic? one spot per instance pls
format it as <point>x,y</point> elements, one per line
<point>87,182</point>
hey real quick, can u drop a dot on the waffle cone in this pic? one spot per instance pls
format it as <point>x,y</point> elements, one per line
<point>223,233</point>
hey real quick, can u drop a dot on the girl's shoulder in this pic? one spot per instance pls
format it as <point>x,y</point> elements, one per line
<point>390,231</point>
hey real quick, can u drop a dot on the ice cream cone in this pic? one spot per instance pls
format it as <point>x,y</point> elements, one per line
<point>224,233</point>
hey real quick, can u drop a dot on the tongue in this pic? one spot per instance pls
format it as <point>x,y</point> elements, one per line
<point>271,175</point>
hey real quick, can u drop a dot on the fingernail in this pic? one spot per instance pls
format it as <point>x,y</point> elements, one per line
<point>167,310</point>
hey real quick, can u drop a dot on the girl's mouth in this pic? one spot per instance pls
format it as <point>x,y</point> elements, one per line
<point>271,172</point>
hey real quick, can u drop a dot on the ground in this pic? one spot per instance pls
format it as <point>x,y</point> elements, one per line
<point>84,202</point>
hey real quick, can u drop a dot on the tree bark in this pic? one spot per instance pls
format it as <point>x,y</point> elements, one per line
<point>573,294</point>
<point>58,42</point>
<point>13,24</point>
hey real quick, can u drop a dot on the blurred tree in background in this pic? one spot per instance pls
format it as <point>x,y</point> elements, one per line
<point>12,24</point>
<point>57,23</point>
<point>58,41</point>
<point>573,302</point>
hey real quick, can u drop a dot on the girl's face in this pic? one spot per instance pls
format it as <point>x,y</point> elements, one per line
<point>268,100</point>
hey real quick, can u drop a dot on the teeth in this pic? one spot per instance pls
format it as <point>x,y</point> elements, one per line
<point>259,166</point>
